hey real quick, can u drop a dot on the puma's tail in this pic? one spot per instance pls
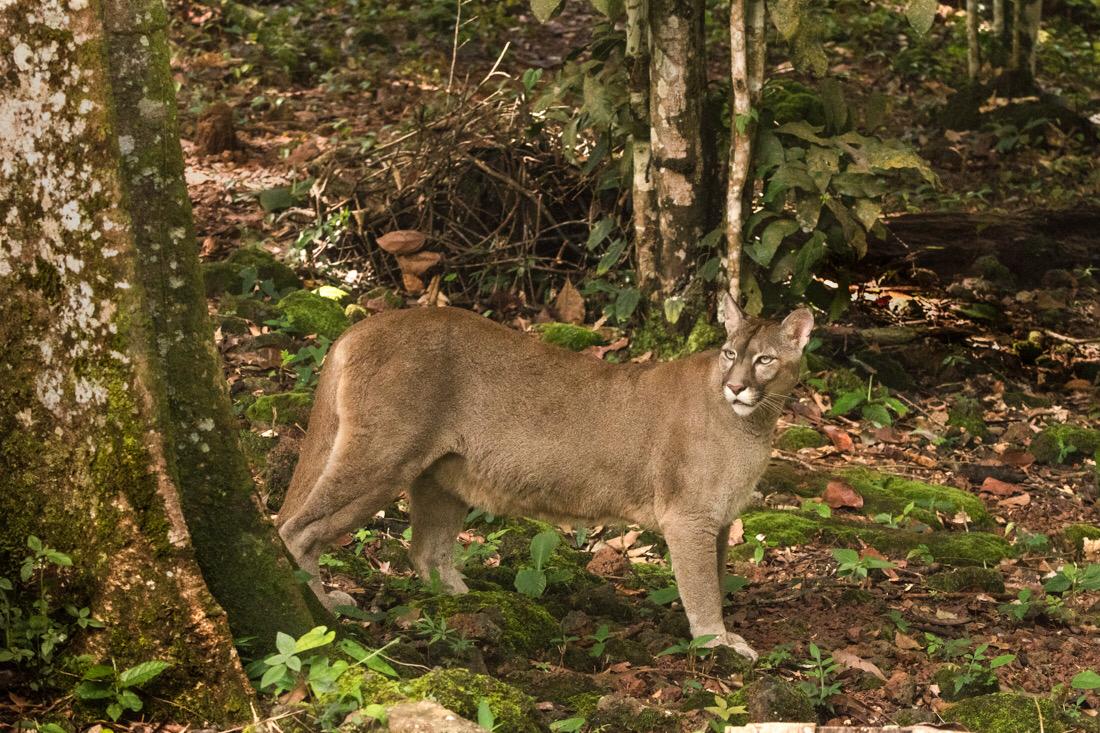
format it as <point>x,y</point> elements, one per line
<point>324,420</point>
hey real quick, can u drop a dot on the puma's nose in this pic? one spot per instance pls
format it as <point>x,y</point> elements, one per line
<point>735,388</point>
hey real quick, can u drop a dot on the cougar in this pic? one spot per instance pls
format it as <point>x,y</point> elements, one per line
<point>460,412</point>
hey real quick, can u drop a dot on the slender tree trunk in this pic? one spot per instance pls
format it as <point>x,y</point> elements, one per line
<point>117,442</point>
<point>998,18</point>
<point>1032,17</point>
<point>644,196</point>
<point>1017,22</point>
<point>973,59</point>
<point>740,155</point>
<point>677,87</point>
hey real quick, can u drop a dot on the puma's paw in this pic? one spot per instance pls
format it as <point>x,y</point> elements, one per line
<point>735,642</point>
<point>335,598</point>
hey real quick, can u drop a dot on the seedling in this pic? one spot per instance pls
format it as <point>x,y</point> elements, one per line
<point>693,648</point>
<point>897,521</point>
<point>569,725</point>
<point>821,670</point>
<point>1019,608</point>
<point>976,668</point>
<point>485,717</point>
<point>600,638</point>
<point>851,565</point>
<point>724,712</point>
<point>102,682</point>
<point>532,579</point>
<point>438,632</point>
<point>1071,579</point>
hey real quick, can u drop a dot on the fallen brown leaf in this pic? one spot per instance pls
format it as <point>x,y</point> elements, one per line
<point>1022,500</point>
<point>902,641</point>
<point>1018,458</point>
<point>851,660</point>
<point>841,440</point>
<point>999,488</point>
<point>569,304</point>
<point>839,494</point>
<point>402,241</point>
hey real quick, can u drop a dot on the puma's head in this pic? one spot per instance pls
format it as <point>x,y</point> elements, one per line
<point>760,360</point>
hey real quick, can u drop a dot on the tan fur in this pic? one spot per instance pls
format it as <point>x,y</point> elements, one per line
<point>461,412</point>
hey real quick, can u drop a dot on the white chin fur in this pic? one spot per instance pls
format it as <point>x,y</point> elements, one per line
<point>743,410</point>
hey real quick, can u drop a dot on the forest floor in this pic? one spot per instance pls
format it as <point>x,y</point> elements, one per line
<point>945,432</point>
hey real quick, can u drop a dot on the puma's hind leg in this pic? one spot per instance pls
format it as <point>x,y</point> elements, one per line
<point>436,516</point>
<point>346,495</point>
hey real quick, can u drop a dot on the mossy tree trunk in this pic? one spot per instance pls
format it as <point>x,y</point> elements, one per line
<point>117,442</point>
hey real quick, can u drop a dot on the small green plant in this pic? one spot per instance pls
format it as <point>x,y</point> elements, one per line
<point>485,717</point>
<point>921,554</point>
<point>531,580</point>
<point>898,621</point>
<point>896,521</point>
<point>103,682</point>
<point>306,364</point>
<point>939,648</point>
<point>1031,543</point>
<point>285,666</point>
<point>874,403</point>
<point>438,632</point>
<point>603,633</point>
<point>562,643</point>
<point>821,671</point>
<point>976,668</point>
<point>568,725</point>
<point>776,658</point>
<point>1085,681</point>
<point>818,507</point>
<point>1071,579</point>
<point>724,713</point>
<point>851,565</point>
<point>694,649</point>
<point>759,545</point>
<point>1019,608</point>
<point>480,551</point>
<point>331,561</point>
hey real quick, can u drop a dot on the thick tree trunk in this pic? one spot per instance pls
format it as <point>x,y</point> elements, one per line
<point>647,235</point>
<point>117,443</point>
<point>677,89</point>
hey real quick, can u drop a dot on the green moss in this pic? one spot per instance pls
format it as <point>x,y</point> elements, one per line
<point>1073,537</point>
<point>228,275</point>
<point>799,437</point>
<point>250,309</point>
<point>881,492</point>
<point>284,408</point>
<point>618,712</point>
<point>528,627</point>
<point>951,548</point>
<point>971,578</point>
<point>667,341</point>
<point>966,413</point>
<point>462,691</point>
<point>1059,443</point>
<point>704,335</point>
<point>569,336</point>
<point>773,699</point>
<point>946,677</point>
<point>307,313</point>
<point>559,686</point>
<point>1005,712</point>
<point>585,703</point>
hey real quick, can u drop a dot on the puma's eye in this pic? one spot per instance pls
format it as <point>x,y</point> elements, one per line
<point>764,360</point>
<point>730,354</point>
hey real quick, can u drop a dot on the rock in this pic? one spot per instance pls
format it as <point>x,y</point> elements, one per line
<point>559,685</point>
<point>628,650</point>
<point>966,413</point>
<point>602,600</point>
<point>427,716</point>
<point>462,691</point>
<point>798,437</point>
<point>575,622</point>
<point>283,408</point>
<point>618,712</point>
<point>526,627</point>
<point>1072,538</point>
<point>901,688</point>
<point>973,578</point>
<point>772,699</point>
<point>308,313</point>
<point>608,562</point>
<point>1005,712</point>
<point>569,336</point>
<point>478,626</point>
<point>216,131</point>
<point>227,275</point>
<point>1059,443</point>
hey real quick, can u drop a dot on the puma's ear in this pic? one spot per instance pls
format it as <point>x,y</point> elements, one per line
<point>732,315</point>
<point>798,325</point>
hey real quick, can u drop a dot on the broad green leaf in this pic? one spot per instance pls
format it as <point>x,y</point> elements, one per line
<point>276,199</point>
<point>130,700</point>
<point>808,257</point>
<point>93,691</point>
<point>114,711</point>
<point>485,717</point>
<point>880,155</point>
<point>1086,680</point>
<point>664,596</point>
<point>809,53</point>
<point>773,236</point>
<point>597,100</point>
<point>846,556</point>
<point>284,643</point>
<point>822,164</point>
<point>543,545</point>
<point>876,413</point>
<point>1001,660</point>
<point>272,676</point>
<point>599,232</point>
<point>768,153</point>
<point>139,674</point>
<point>750,290</point>
<point>921,14</point>
<point>612,9</point>
<point>315,637</point>
<point>99,672</point>
<point>868,212</point>
<point>807,209</point>
<point>673,307</point>
<point>568,725</point>
<point>530,582</point>
<point>803,131</point>
<point>544,9</point>
<point>331,293</point>
<point>980,311</point>
<point>611,256</point>
<point>734,583</point>
<point>625,303</point>
<point>847,402</point>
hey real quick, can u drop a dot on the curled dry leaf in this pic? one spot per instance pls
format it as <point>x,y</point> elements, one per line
<point>601,351</point>
<point>908,643</point>
<point>569,304</point>
<point>849,659</point>
<point>839,494</point>
<point>402,241</point>
<point>419,263</point>
<point>412,283</point>
<point>1022,500</point>
<point>999,488</point>
<point>1018,458</point>
<point>1091,549</point>
<point>841,440</point>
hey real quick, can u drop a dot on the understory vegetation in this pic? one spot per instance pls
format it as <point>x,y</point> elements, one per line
<point>924,548</point>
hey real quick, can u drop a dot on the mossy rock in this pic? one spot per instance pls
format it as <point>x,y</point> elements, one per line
<point>226,276</point>
<point>786,529</point>
<point>1072,538</point>
<point>618,712</point>
<point>569,336</point>
<point>250,309</point>
<point>230,324</point>
<point>667,341</point>
<point>772,699</point>
<point>993,270</point>
<point>560,685</point>
<point>1005,712</point>
<point>307,313</point>
<point>1054,444</point>
<point>585,703</point>
<point>798,437</point>
<point>966,413</point>
<point>881,492</point>
<point>527,627</point>
<point>970,579</point>
<point>462,691</point>
<point>284,408</point>
<point>652,576</point>
<point>945,677</point>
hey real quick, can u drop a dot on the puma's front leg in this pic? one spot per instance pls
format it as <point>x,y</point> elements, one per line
<point>695,564</point>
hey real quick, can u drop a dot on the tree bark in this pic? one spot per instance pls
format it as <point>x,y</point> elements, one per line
<point>998,18</point>
<point>973,59</point>
<point>118,443</point>
<point>1029,33</point>
<point>677,87</point>
<point>647,235</point>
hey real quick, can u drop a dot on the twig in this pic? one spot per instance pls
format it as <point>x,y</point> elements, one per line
<point>1071,339</point>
